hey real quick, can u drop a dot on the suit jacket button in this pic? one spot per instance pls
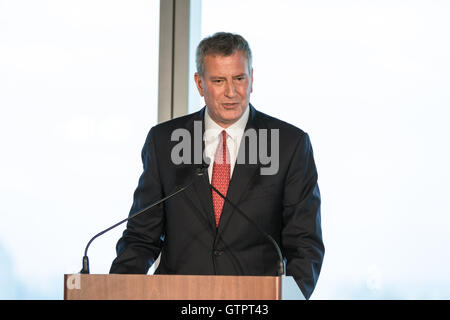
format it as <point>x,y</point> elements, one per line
<point>218,253</point>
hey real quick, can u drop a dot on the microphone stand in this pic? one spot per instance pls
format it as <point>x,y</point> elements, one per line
<point>280,271</point>
<point>85,269</point>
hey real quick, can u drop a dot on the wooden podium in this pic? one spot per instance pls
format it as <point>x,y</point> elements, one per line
<point>170,287</point>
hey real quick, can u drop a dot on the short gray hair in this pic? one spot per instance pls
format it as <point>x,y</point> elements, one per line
<point>224,44</point>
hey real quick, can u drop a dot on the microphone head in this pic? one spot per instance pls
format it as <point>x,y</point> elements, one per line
<point>206,163</point>
<point>204,167</point>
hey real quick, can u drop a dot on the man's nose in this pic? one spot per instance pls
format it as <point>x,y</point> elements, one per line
<point>230,90</point>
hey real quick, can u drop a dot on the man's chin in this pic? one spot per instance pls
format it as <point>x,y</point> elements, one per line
<point>231,117</point>
<point>227,117</point>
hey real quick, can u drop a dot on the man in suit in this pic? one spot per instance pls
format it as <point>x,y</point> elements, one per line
<point>197,232</point>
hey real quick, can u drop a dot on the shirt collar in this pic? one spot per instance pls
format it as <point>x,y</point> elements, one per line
<point>212,129</point>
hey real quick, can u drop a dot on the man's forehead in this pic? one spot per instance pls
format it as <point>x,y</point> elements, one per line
<point>235,63</point>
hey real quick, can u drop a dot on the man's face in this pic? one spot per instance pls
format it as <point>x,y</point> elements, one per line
<point>226,86</point>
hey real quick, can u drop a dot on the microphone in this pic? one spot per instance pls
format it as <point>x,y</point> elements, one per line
<point>280,271</point>
<point>85,270</point>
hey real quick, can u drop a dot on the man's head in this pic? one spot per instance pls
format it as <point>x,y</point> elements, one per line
<point>224,76</point>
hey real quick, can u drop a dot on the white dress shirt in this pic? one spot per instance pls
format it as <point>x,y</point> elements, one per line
<point>212,136</point>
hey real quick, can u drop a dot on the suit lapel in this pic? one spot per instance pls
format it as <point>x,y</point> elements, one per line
<point>200,193</point>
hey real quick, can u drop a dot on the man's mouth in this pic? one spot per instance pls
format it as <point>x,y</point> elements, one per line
<point>230,105</point>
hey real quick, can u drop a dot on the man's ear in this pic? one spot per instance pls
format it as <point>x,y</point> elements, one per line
<point>198,82</point>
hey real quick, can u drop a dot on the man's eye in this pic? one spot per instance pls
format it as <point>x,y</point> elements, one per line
<point>217,81</point>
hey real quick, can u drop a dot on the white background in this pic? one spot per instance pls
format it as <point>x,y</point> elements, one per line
<point>368,80</point>
<point>78,94</point>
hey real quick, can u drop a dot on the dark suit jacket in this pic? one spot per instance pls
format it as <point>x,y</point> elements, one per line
<point>286,205</point>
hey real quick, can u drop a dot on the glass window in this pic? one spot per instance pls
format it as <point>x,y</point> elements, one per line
<point>369,82</point>
<point>78,94</point>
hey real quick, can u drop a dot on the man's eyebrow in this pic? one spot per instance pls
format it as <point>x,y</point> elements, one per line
<point>217,77</point>
<point>224,78</point>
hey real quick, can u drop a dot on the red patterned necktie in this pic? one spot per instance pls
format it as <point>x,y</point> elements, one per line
<point>220,176</point>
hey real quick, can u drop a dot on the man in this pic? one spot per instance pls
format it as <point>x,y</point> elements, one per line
<point>197,232</point>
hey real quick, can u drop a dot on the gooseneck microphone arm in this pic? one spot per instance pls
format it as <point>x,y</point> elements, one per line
<point>280,270</point>
<point>85,268</point>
